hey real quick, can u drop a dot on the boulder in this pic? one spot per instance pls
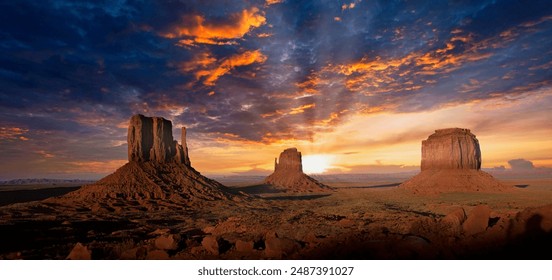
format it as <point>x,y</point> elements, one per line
<point>79,252</point>
<point>157,255</point>
<point>452,222</point>
<point>278,248</point>
<point>211,244</point>
<point>478,220</point>
<point>167,242</point>
<point>456,217</point>
<point>244,246</point>
<point>532,222</point>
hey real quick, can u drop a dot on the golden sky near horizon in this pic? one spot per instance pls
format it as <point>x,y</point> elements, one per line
<point>391,142</point>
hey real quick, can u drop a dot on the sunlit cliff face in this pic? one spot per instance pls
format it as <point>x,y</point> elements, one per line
<point>354,85</point>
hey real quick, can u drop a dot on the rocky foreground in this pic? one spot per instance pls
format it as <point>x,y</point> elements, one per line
<point>350,223</point>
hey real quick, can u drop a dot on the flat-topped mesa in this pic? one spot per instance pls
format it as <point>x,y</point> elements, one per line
<point>151,139</point>
<point>451,162</point>
<point>451,148</point>
<point>289,160</point>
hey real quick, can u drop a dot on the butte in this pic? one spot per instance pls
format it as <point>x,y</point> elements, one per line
<point>451,162</point>
<point>288,174</point>
<point>158,169</point>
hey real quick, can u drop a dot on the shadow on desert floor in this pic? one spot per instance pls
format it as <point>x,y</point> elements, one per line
<point>18,196</point>
<point>269,192</point>
<point>374,186</point>
<point>257,189</point>
<point>521,186</point>
<point>297,197</point>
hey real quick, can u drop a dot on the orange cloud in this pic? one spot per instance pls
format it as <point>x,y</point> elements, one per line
<point>197,30</point>
<point>272,114</point>
<point>13,133</point>
<point>45,154</point>
<point>272,2</point>
<point>201,60</point>
<point>205,65</point>
<point>349,6</point>
<point>377,75</point>
<point>243,59</point>
<point>310,85</point>
<point>301,109</point>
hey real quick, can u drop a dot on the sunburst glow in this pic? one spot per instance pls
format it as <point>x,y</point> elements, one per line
<point>316,163</point>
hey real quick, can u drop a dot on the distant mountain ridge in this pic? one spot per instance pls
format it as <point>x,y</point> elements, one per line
<point>45,181</point>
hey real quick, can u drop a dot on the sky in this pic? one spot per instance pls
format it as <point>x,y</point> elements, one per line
<point>354,85</point>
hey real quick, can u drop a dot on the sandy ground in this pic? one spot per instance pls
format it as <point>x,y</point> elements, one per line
<point>360,220</point>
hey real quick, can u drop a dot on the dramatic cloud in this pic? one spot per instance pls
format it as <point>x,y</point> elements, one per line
<point>272,2</point>
<point>226,65</point>
<point>520,164</point>
<point>196,29</point>
<point>13,133</point>
<point>249,78</point>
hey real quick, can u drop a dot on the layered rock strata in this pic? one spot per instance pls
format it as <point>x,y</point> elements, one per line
<point>451,148</point>
<point>451,162</point>
<point>151,139</point>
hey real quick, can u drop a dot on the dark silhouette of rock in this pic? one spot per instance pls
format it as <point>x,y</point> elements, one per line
<point>79,252</point>
<point>288,174</point>
<point>277,247</point>
<point>532,222</point>
<point>158,168</point>
<point>451,148</point>
<point>157,255</point>
<point>451,162</point>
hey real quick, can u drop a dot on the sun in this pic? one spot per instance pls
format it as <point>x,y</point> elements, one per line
<point>314,164</point>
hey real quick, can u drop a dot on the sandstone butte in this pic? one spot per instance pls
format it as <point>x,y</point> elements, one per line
<point>451,162</point>
<point>288,174</point>
<point>158,168</point>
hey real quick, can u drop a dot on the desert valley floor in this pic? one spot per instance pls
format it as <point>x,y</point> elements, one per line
<point>358,220</point>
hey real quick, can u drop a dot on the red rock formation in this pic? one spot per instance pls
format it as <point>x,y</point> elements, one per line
<point>151,139</point>
<point>290,160</point>
<point>288,174</point>
<point>451,148</point>
<point>158,168</point>
<point>451,162</point>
